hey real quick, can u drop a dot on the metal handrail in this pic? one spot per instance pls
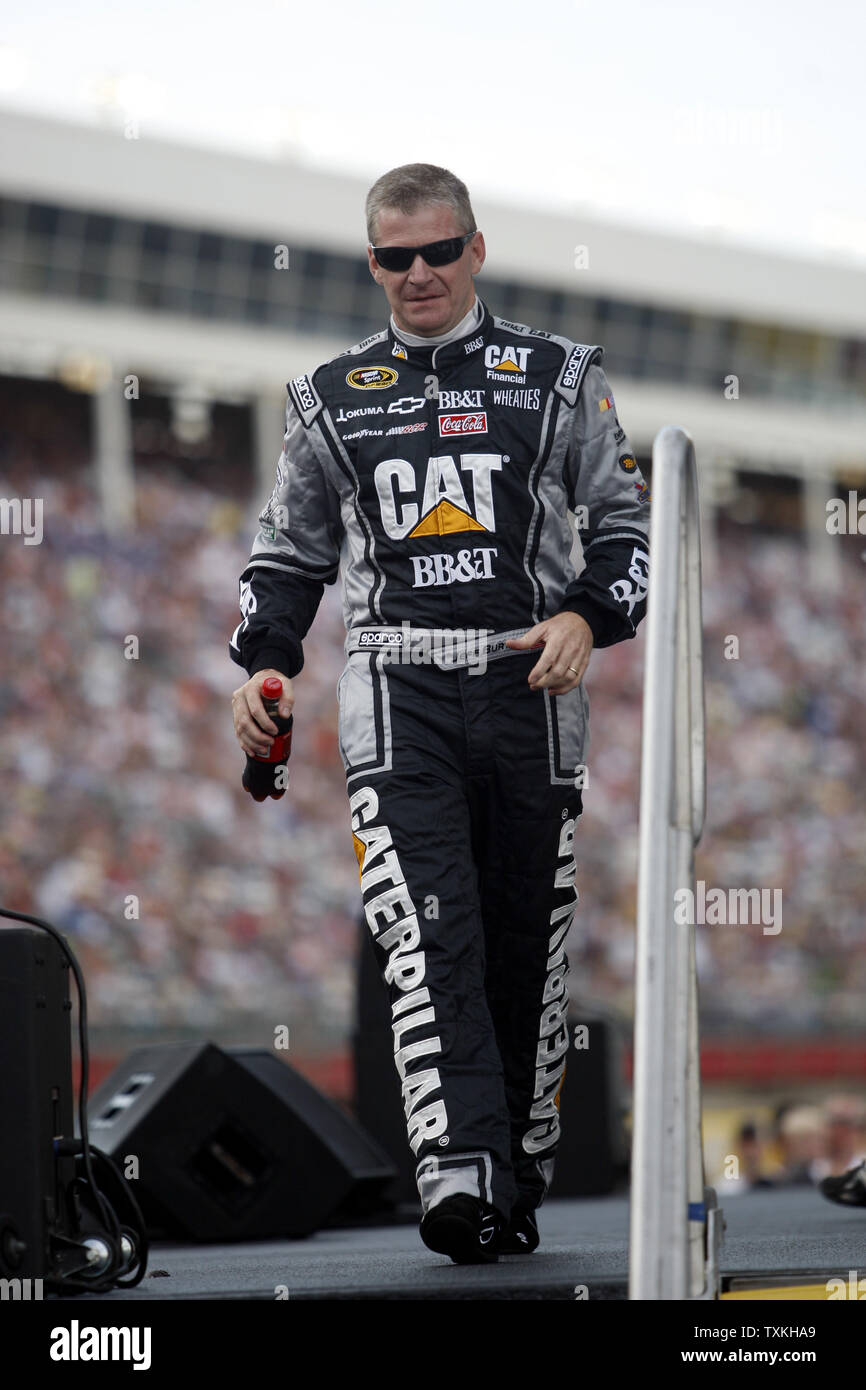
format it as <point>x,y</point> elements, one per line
<point>670,1255</point>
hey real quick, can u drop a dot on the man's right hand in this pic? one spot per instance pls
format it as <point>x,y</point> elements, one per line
<point>254,729</point>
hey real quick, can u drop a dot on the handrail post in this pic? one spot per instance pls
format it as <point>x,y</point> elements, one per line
<point>669,1247</point>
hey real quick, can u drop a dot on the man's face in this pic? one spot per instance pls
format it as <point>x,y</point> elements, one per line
<point>424,299</point>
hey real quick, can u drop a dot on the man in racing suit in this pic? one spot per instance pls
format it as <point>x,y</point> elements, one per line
<point>434,467</point>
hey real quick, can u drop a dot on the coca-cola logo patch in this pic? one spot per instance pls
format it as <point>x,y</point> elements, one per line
<point>470,422</point>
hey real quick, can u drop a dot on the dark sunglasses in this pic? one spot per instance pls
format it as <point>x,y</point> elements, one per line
<point>434,253</point>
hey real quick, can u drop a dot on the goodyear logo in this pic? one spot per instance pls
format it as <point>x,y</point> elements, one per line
<point>371,378</point>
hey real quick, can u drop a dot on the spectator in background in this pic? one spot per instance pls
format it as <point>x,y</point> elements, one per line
<point>846,1127</point>
<point>802,1138</point>
<point>845,1119</point>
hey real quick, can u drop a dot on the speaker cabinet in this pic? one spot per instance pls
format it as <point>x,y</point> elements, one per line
<point>35,1099</point>
<point>234,1145</point>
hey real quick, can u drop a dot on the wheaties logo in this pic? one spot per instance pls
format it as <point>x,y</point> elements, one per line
<point>371,378</point>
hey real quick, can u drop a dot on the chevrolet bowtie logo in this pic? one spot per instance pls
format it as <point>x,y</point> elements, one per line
<point>406,405</point>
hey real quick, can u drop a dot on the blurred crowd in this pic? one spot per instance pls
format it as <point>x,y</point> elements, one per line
<point>191,907</point>
<point>798,1143</point>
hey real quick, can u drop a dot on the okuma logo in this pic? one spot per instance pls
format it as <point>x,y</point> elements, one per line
<point>439,506</point>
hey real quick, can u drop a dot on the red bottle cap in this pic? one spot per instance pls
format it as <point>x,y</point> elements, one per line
<point>272,688</point>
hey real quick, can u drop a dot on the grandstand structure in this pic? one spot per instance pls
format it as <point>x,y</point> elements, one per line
<point>214,278</point>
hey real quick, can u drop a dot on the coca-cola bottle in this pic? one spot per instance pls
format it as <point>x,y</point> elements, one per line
<point>263,776</point>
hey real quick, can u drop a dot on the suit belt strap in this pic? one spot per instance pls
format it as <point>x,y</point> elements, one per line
<point>443,647</point>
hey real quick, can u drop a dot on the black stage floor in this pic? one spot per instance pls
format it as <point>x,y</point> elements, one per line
<point>772,1233</point>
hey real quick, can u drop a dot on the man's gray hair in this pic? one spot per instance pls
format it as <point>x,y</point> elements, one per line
<point>416,185</point>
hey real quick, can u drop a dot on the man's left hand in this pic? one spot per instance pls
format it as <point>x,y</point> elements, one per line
<point>567,642</point>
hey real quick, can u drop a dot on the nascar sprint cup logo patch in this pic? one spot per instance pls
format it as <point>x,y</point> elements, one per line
<point>371,378</point>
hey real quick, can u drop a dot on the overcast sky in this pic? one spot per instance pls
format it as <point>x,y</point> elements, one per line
<point>744,119</point>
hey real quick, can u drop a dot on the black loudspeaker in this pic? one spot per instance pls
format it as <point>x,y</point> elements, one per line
<point>35,1099</point>
<point>592,1157</point>
<point>234,1145</point>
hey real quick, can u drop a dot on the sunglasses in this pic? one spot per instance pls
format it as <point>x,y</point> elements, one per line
<point>434,253</point>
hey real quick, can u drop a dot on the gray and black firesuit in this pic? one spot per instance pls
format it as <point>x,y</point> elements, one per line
<point>444,480</point>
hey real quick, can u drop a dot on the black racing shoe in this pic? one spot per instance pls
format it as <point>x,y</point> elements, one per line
<point>465,1228</point>
<point>520,1236</point>
<point>849,1188</point>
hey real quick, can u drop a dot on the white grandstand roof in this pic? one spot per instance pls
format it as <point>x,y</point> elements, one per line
<point>97,168</point>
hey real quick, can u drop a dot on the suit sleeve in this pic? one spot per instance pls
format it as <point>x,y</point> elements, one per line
<point>295,553</point>
<point>611,501</point>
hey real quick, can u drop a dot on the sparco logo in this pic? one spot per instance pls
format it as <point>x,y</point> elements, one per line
<point>406,968</point>
<point>553,1030</point>
<point>463,424</point>
<point>572,367</point>
<point>461,568</point>
<point>379,639</point>
<point>371,378</point>
<point>304,392</point>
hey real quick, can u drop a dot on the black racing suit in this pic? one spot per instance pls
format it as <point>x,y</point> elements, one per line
<point>438,481</point>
